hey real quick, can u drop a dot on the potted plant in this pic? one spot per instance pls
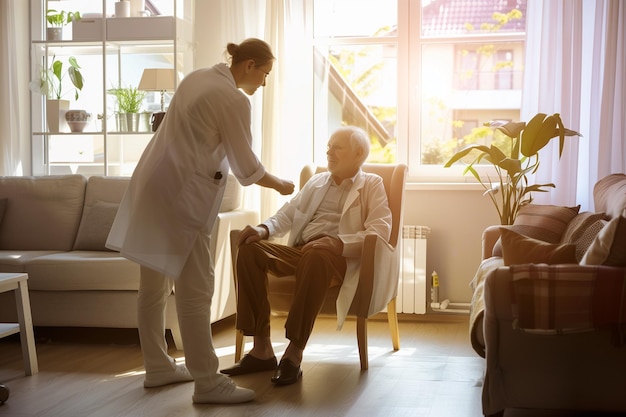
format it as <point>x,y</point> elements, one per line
<point>58,19</point>
<point>50,84</point>
<point>511,189</point>
<point>129,100</point>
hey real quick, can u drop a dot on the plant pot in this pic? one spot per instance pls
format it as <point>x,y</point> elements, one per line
<point>120,122</point>
<point>132,122</point>
<point>55,115</point>
<point>54,34</point>
<point>144,122</point>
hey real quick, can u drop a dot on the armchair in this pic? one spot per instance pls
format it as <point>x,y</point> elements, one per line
<point>379,275</point>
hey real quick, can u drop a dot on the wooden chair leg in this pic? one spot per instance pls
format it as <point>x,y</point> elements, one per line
<point>361,336</point>
<point>240,341</point>
<point>392,317</point>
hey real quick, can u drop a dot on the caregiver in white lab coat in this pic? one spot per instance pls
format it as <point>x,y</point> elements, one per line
<point>165,218</point>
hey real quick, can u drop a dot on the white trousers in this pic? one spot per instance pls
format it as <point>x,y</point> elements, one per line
<point>193,294</point>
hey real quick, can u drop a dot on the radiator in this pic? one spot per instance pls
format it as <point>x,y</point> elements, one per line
<point>412,285</point>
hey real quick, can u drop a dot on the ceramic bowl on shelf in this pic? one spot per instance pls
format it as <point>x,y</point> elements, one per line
<point>77,116</point>
<point>77,119</point>
<point>77,126</point>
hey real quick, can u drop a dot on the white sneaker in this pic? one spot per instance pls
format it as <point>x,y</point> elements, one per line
<point>158,379</point>
<point>225,393</point>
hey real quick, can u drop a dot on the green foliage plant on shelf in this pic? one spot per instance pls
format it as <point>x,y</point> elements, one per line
<point>129,99</point>
<point>61,18</point>
<point>50,81</point>
<point>511,189</point>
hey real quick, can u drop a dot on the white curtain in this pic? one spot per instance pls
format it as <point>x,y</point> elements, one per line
<point>575,67</point>
<point>15,98</point>
<point>281,111</point>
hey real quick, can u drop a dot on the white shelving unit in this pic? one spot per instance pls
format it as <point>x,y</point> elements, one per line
<point>112,52</point>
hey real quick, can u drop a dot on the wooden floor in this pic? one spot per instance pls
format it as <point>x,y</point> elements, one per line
<point>98,372</point>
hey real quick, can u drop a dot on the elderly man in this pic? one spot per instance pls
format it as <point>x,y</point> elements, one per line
<point>327,222</point>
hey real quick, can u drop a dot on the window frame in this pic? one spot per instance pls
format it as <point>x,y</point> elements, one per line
<point>409,43</point>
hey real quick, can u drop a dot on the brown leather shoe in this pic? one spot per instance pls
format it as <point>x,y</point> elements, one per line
<point>287,373</point>
<point>249,364</point>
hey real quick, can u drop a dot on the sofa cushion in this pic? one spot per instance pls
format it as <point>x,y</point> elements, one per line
<point>579,224</point>
<point>609,195</point>
<point>609,246</point>
<point>42,213</point>
<point>82,271</point>
<point>582,230</point>
<point>519,249</point>
<point>15,261</point>
<point>95,226</point>
<point>543,222</point>
<point>586,239</point>
<point>102,198</point>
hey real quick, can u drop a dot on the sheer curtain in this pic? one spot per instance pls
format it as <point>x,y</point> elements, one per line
<point>575,67</point>
<point>281,111</point>
<point>15,98</point>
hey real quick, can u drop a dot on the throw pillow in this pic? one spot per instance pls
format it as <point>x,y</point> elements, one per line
<point>579,224</point>
<point>95,226</point>
<point>587,237</point>
<point>582,230</point>
<point>520,249</point>
<point>542,222</point>
<point>609,246</point>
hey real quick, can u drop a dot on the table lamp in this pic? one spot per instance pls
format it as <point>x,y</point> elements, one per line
<point>158,79</point>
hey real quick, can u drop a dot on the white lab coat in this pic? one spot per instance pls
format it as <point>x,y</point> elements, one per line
<point>177,187</point>
<point>366,211</point>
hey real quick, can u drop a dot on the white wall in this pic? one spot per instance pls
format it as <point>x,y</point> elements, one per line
<point>209,46</point>
<point>457,219</point>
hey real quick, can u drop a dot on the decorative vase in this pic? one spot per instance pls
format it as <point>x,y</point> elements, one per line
<point>54,34</point>
<point>77,119</point>
<point>122,8</point>
<point>55,115</point>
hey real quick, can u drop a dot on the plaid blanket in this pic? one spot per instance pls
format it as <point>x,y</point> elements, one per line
<point>555,299</point>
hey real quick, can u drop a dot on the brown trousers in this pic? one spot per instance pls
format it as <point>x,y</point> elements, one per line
<point>315,270</point>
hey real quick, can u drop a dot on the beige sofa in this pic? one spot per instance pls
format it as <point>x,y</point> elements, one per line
<point>554,334</point>
<point>54,228</point>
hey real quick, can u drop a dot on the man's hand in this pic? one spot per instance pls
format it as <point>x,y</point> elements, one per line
<point>286,187</point>
<point>252,234</point>
<point>334,245</point>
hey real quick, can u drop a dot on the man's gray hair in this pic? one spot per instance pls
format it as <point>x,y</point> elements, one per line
<point>358,139</point>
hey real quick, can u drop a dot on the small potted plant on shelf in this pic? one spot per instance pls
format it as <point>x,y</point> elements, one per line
<point>129,100</point>
<point>50,84</point>
<point>58,19</point>
<point>510,189</point>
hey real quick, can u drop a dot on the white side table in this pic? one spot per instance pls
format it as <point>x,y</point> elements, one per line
<point>17,282</point>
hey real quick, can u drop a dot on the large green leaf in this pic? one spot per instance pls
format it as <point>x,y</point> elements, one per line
<point>463,152</point>
<point>530,134</point>
<point>512,166</point>
<point>57,67</point>
<point>511,129</point>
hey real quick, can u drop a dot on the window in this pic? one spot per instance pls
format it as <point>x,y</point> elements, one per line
<point>421,76</point>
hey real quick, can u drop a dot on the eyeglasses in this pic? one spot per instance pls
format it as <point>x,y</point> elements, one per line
<point>266,73</point>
